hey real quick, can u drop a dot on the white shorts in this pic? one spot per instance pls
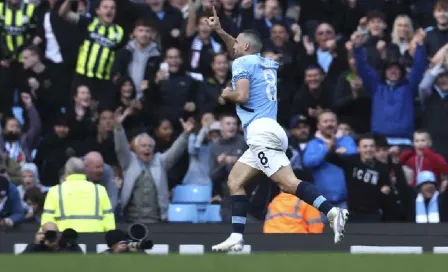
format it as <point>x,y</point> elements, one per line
<point>267,142</point>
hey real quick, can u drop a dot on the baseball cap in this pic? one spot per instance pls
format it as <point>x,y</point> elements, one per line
<point>298,119</point>
<point>425,177</point>
<point>4,186</point>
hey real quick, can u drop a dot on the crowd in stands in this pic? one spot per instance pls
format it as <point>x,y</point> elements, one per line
<point>133,87</point>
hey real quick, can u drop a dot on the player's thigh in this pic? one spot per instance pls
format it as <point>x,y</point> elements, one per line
<point>285,178</point>
<point>244,170</point>
<point>275,164</point>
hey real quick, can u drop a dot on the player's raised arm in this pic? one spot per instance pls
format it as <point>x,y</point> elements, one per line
<point>214,23</point>
<point>67,14</point>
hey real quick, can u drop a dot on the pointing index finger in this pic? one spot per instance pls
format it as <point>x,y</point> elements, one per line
<point>214,12</point>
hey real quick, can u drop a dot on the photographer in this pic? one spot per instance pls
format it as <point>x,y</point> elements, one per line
<point>134,241</point>
<point>50,240</point>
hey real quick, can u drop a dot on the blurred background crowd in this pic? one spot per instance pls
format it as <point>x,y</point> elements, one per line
<point>132,89</point>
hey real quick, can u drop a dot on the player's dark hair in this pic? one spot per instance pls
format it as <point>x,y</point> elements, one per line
<point>255,39</point>
<point>366,136</point>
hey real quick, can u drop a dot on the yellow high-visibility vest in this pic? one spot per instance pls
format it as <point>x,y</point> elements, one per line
<point>80,205</point>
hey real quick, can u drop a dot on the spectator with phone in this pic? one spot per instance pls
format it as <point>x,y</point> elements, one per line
<point>172,94</point>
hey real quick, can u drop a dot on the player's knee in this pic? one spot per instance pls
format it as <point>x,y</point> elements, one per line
<point>286,183</point>
<point>235,186</point>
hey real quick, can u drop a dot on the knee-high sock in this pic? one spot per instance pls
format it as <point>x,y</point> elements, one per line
<point>240,205</point>
<point>308,193</point>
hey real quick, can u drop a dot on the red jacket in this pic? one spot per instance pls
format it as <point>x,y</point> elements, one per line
<point>431,162</point>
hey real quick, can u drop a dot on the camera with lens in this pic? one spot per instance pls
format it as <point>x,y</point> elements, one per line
<point>135,240</point>
<point>138,234</point>
<point>54,241</point>
<point>50,236</point>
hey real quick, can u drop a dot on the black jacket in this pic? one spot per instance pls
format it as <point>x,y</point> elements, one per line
<point>50,158</point>
<point>435,39</point>
<point>364,182</point>
<point>168,98</point>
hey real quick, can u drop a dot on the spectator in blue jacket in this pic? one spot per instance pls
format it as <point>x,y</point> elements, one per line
<point>328,178</point>
<point>392,95</point>
<point>11,208</point>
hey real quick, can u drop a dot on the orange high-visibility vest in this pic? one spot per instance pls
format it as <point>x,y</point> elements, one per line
<point>289,214</point>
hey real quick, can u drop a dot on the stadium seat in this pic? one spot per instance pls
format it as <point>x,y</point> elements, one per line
<point>183,213</point>
<point>213,214</point>
<point>192,194</point>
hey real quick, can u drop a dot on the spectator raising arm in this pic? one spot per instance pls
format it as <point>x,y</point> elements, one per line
<point>368,75</point>
<point>67,14</point>
<point>173,154</point>
<point>122,149</point>
<point>419,65</point>
<point>33,133</point>
<point>425,87</point>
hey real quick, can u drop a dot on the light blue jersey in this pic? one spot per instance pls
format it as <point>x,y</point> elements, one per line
<point>262,75</point>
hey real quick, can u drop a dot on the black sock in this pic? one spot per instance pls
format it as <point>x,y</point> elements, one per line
<point>240,204</point>
<point>308,193</point>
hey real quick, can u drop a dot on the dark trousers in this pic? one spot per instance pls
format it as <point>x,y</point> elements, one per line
<point>103,91</point>
<point>10,81</point>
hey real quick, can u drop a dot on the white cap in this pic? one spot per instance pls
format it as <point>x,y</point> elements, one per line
<point>425,176</point>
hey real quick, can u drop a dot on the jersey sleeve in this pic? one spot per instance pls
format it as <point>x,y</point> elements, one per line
<point>240,70</point>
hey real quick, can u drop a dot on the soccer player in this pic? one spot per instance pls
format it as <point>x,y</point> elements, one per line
<point>254,90</point>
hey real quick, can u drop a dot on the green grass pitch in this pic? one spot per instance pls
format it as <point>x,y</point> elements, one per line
<point>255,262</point>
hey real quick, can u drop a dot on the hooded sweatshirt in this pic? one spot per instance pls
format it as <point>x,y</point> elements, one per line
<point>137,67</point>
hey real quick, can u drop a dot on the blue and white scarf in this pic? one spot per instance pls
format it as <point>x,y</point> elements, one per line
<point>196,47</point>
<point>428,214</point>
<point>14,151</point>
